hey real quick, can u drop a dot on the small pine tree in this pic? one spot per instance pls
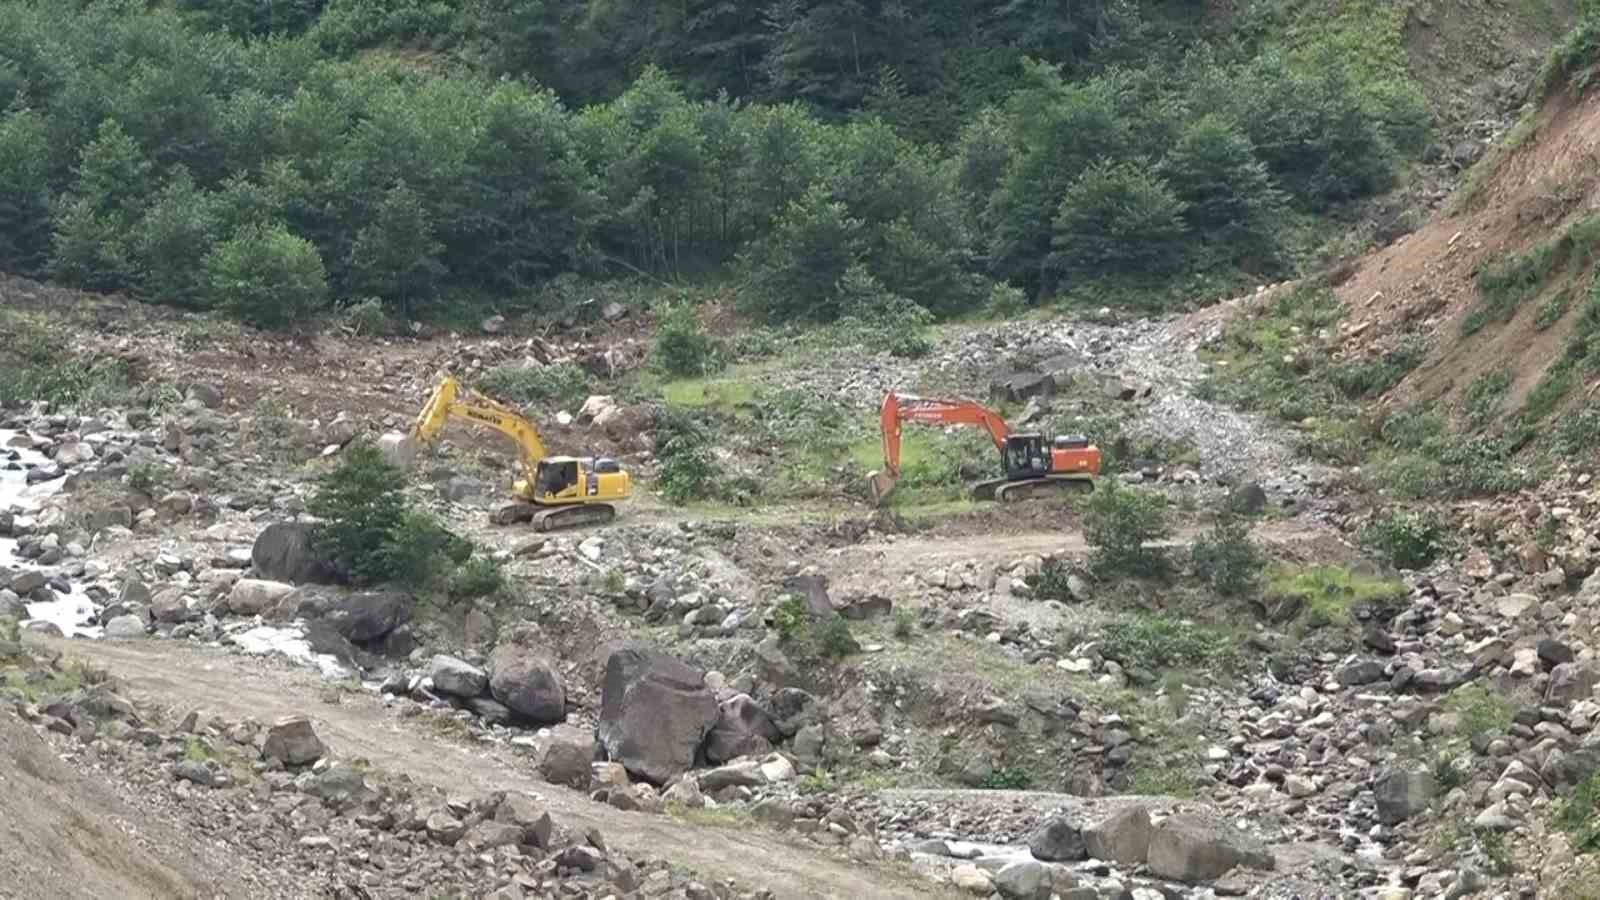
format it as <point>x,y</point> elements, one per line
<point>1119,524</point>
<point>1118,219</point>
<point>268,277</point>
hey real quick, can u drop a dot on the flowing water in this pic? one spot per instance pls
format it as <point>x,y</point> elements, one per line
<point>73,612</point>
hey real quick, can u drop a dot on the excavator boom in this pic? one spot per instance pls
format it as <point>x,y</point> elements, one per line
<point>452,398</point>
<point>1025,458</point>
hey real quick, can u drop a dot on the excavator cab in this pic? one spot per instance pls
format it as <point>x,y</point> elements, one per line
<point>555,475</point>
<point>1026,456</point>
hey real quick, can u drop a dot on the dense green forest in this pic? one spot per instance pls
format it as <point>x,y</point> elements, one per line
<point>278,158</point>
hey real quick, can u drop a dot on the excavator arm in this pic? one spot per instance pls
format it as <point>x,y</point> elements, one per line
<point>897,410</point>
<point>452,399</point>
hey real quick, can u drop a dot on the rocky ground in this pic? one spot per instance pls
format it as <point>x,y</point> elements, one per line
<point>636,682</point>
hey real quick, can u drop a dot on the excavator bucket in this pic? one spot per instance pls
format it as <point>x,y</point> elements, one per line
<point>879,484</point>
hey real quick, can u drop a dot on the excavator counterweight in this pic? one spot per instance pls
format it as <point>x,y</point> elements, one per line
<point>554,492</point>
<point>1030,467</point>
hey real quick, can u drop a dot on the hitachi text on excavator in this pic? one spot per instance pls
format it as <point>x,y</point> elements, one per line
<point>1029,467</point>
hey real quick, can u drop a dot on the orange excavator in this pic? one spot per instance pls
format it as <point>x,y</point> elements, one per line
<point>1031,467</point>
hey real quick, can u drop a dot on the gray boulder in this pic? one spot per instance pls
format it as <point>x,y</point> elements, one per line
<point>1191,848</point>
<point>1058,840</point>
<point>11,606</point>
<point>1020,880</point>
<point>525,681</point>
<point>1019,386</point>
<point>370,615</point>
<point>251,596</point>
<point>567,762</point>
<point>124,628</point>
<point>528,816</point>
<point>293,742</point>
<point>744,728</point>
<point>457,678</point>
<point>1402,793</point>
<point>1122,837</point>
<point>655,712</point>
<point>814,588</point>
<point>171,606</point>
<point>134,593</point>
<point>1569,683</point>
<point>25,583</point>
<point>283,552</point>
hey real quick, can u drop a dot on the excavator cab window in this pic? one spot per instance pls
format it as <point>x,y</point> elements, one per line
<point>1025,456</point>
<point>555,477</point>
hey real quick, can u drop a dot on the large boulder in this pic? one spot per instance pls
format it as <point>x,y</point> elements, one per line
<point>125,627</point>
<point>11,606</point>
<point>1402,793</point>
<point>525,681</point>
<point>1059,839</point>
<point>293,742</point>
<point>1121,837</point>
<point>369,615</point>
<point>1569,683</point>
<point>1021,880</point>
<point>457,678</point>
<point>250,596</point>
<point>744,728</point>
<point>1191,848</point>
<point>171,606</point>
<point>655,712</point>
<point>529,817</point>
<point>284,552</point>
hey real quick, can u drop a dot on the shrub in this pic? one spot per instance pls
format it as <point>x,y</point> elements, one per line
<point>1227,559</point>
<point>1053,581</point>
<point>1119,522</point>
<point>146,478</point>
<point>368,528</point>
<point>1409,540</point>
<point>268,277</point>
<point>564,384</point>
<point>905,624</point>
<point>789,618</point>
<point>1009,778</point>
<point>1324,595</point>
<point>832,638</point>
<point>1159,642</point>
<point>1484,395</point>
<point>367,317</point>
<point>1580,432</point>
<point>875,317</point>
<point>682,349</point>
<point>1579,814</point>
<point>1483,712</point>
<point>479,577</point>
<point>797,270</point>
<point>688,470</point>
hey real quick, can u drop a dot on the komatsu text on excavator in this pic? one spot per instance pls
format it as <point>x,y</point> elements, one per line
<point>1030,468</point>
<point>554,491</point>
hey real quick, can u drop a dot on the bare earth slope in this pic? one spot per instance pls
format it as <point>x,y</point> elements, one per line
<point>66,835</point>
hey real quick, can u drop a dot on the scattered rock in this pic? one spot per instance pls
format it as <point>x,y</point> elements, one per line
<point>1192,848</point>
<point>525,681</point>
<point>1122,837</point>
<point>251,596</point>
<point>744,728</point>
<point>655,712</point>
<point>1058,840</point>
<point>457,678</point>
<point>1402,793</point>
<point>293,742</point>
<point>283,552</point>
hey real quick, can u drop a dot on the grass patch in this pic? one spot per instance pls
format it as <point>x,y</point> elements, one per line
<point>1548,393</point>
<point>1483,712</point>
<point>563,384</point>
<point>933,463</point>
<point>723,394</point>
<point>1164,779</point>
<point>1010,778</point>
<point>1503,286</point>
<point>36,363</point>
<point>731,817</point>
<point>1579,814</point>
<point>1162,642</point>
<point>1552,309</point>
<point>1325,595</point>
<point>1484,396</point>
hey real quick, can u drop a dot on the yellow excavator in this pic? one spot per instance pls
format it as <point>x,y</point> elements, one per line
<point>554,491</point>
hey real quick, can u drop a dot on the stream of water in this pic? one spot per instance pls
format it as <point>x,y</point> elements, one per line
<point>74,613</point>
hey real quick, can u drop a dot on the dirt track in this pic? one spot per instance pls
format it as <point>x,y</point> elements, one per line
<point>182,676</point>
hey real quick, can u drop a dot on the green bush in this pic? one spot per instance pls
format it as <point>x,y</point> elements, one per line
<point>370,530</point>
<point>1409,540</point>
<point>1579,433</point>
<point>478,577</point>
<point>1010,778</point>
<point>1161,642</point>
<point>1579,814</point>
<point>789,618</point>
<point>905,624</point>
<point>1484,395</point>
<point>1053,582</point>
<point>832,638</point>
<point>1119,522</point>
<point>268,277</point>
<point>563,384</point>
<point>1227,559</point>
<point>36,364</point>
<point>683,349</point>
<point>689,472</point>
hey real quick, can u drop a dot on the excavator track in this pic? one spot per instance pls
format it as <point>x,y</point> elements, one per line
<point>555,518</point>
<point>563,517</point>
<point>1030,489</point>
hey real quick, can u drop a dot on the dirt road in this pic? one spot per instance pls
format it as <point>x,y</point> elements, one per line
<point>181,676</point>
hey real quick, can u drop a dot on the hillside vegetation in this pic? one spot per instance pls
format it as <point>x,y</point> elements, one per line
<point>281,159</point>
